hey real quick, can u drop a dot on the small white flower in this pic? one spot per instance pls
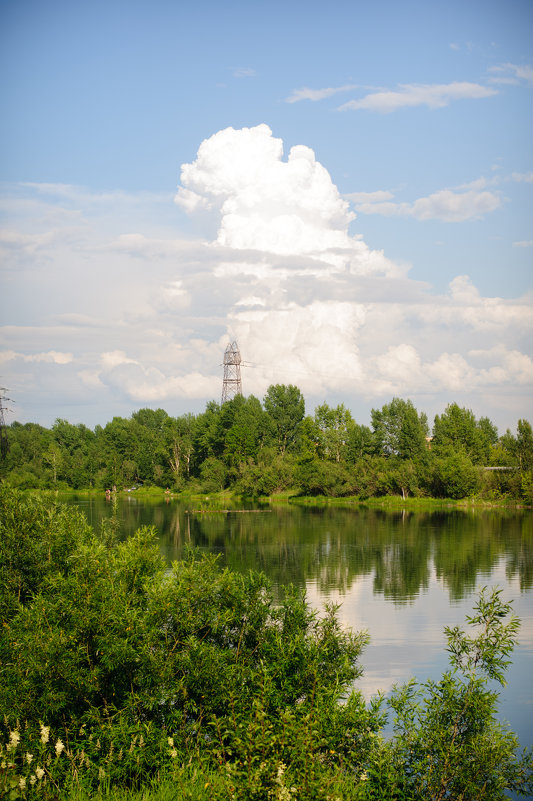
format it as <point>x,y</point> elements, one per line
<point>170,741</point>
<point>173,753</point>
<point>59,746</point>
<point>45,734</point>
<point>29,758</point>
<point>39,772</point>
<point>33,779</point>
<point>22,783</point>
<point>14,740</point>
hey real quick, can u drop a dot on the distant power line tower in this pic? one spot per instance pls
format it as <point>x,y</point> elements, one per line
<point>4,444</point>
<point>232,384</point>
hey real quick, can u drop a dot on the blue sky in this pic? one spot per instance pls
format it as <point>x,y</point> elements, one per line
<point>388,253</point>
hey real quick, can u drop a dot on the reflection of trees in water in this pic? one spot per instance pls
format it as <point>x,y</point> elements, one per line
<point>521,563</point>
<point>469,545</point>
<point>402,571</point>
<point>333,547</point>
<point>520,560</point>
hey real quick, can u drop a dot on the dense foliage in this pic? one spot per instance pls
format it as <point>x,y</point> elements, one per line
<point>259,449</point>
<point>116,672</point>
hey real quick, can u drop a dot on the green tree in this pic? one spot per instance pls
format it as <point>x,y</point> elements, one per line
<point>458,430</point>
<point>334,426</point>
<point>524,445</point>
<point>37,538</point>
<point>271,473</point>
<point>213,474</point>
<point>371,477</point>
<point>404,477</point>
<point>75,441</point>
<point>151,446</point>
<point>359,442</point>
<point>180,435</point>
<point>245,424</point>
<point>24,466</point>
<point>53,457</point>
<point>285,407</point>
<point>208,436</point>
<point>117,445</point>
<point>398,430</point>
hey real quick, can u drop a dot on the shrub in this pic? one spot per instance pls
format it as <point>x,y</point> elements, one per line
<point>118,673</point>
<point>455,476</point>
<point>110,646</point>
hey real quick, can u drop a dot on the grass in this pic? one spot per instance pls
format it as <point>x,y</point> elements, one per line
<point>227,498</point>
<point>397,502</point>
<point>187,784</point>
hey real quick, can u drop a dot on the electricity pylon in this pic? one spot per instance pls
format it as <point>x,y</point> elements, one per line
<point>232,384</point>
<point>4,444</point>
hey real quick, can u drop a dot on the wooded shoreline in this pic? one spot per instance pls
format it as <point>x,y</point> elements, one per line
<point>273,449</point>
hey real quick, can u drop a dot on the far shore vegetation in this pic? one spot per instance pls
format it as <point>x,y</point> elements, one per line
<point>122,678</point>
<point>272,449</point>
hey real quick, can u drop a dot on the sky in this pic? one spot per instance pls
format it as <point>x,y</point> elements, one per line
<point>345,189</point>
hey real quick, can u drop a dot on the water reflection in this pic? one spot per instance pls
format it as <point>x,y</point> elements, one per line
<point>332,548</point>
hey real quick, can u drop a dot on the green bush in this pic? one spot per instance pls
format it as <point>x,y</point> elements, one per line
<point>116,673</point>
<point>455,476</point>
<point>109,645</point>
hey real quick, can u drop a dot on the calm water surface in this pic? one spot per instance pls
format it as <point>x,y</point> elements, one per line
<point>401,575</point>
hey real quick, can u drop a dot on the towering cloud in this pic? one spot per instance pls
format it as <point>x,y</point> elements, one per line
<point>289,208</point>
<point>283,241</point>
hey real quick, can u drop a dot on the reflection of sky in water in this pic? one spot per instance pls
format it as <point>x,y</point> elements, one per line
<point>408,640</point>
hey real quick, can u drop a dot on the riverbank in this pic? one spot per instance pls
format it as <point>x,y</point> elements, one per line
<point>231,500</point>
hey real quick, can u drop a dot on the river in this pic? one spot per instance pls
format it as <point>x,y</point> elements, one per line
<point>402,575</point>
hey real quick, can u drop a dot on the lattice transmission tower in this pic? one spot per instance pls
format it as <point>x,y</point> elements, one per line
<point>4,444</point>
<point>232,384</point>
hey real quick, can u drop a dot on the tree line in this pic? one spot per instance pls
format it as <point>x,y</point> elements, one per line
<point>259,448</point>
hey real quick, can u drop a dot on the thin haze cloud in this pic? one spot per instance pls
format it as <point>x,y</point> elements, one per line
<point>511,73</point>
<point>445,205</point>
<point>411,95</point>
<point>317,94</point>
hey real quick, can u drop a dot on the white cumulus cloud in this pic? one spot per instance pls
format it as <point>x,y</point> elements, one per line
<point>274,206</point>
<point>314,346</point>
